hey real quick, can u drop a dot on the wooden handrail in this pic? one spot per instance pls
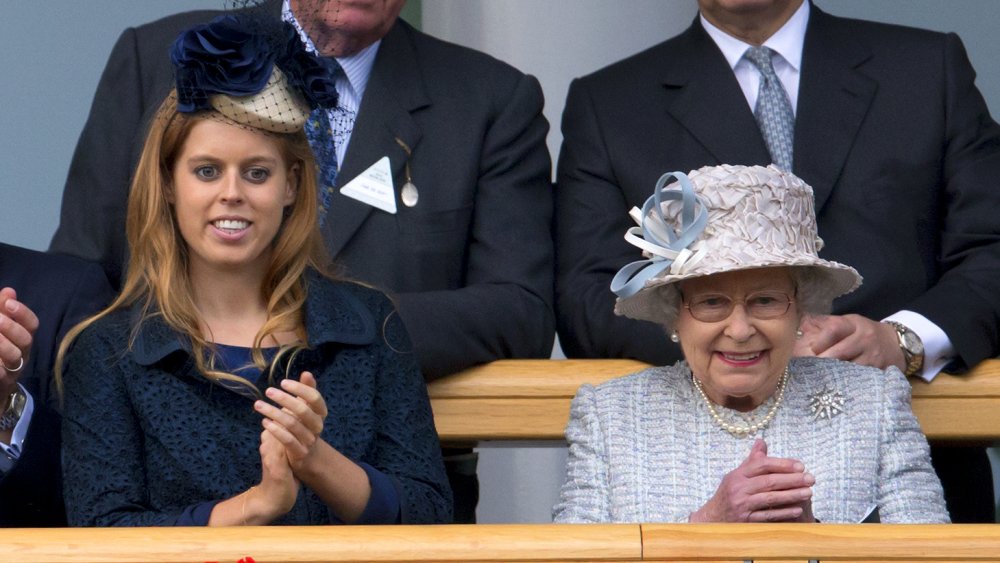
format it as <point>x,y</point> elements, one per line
<point>507,543</point>
<point>823,542</point>
<point>314,544</point>
<point>529,400</point>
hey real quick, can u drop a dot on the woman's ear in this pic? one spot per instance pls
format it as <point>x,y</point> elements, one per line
<point>292,184</point>
<point>168,191</point>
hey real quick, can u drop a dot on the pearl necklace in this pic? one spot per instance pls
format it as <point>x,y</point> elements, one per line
<point>740,431</point>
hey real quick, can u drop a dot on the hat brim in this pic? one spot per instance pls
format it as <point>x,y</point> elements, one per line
<point>835,279</point>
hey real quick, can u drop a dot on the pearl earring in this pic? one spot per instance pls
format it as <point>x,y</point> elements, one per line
<point>798,334</point>
<point>674,338</point>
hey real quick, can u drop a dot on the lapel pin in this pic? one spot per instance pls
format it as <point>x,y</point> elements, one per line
<point>408,194</point>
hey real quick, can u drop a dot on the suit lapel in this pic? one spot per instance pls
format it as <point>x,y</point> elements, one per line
<point>834,97</point>
<point>395,88</point>
<point>705,98</point>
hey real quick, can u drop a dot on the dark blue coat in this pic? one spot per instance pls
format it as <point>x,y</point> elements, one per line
<point>145,436</point>
<point>61,291</point>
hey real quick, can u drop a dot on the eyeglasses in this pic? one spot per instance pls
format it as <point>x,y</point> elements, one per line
<point>763,305</point>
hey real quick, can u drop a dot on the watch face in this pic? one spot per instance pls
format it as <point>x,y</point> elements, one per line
<point>17,403</point>
<point>913,343</point>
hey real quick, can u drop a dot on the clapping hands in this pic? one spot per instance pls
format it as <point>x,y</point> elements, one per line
<point>288,450</point>
<point>761,489</point>
<point>290,439</point>
<point>298,423</point>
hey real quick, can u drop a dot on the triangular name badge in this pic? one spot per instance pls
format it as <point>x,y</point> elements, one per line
<point>374,186</point>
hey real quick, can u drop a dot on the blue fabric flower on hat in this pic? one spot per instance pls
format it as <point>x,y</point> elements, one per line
<point>220,57</point>
<point>311,75</point>
<point>235,55</point>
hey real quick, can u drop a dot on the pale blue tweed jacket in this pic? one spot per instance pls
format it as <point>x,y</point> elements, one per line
<point>644,448</point>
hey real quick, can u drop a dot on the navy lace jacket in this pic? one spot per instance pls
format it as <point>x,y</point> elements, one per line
<point>145,436</point>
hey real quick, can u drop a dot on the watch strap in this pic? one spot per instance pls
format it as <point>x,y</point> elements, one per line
<point>914,361</point>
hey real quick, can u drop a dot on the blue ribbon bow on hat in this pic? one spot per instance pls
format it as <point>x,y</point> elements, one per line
<point>661,244</point>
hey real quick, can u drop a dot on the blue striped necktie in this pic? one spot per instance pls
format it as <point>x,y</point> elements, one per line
<point>774,110</point>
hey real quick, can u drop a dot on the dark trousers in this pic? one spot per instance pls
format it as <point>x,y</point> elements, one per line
<point>460,465</point>
<point>967,479</point>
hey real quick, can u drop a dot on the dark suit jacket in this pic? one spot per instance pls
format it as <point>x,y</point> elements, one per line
<point>470,266</point>
<point>890,132</point>
<point>61,291</point>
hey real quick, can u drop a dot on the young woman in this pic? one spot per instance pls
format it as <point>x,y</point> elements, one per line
<point>234,381</point>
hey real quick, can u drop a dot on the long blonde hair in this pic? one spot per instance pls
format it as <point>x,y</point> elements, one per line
<point>157,278</point>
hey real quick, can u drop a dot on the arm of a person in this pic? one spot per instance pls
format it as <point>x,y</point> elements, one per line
<point>92,219</point>
<point>584,497</point>
<point>938,349</point>
<point>965,302</point>
<point>908,488</point>
<point>18,324</point>
<point>12,440</point>
<point>858,339</point>
<point>504,307</point>
<point>591,220</point>
<point>104,479</point>
<point>407,450</point>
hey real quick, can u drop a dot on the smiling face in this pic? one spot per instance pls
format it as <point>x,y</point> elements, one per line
<point>229,192</point>
<point>739,359</point>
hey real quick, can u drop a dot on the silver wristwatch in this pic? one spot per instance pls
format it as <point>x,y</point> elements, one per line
<point>12,409</point>
<point>912,347</point>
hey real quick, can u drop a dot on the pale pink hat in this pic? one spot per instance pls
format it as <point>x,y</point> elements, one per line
<point>721,219</point>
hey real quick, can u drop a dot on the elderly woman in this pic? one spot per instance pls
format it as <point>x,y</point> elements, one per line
<point>740,431</point>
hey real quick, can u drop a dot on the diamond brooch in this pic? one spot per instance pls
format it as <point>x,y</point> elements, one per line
<point>826,404</point>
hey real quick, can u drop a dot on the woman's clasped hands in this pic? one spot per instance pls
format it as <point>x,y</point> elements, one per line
<point>290,439</point>
<point>298,423</point>
<point>292,454</point>
<point>761,489</point>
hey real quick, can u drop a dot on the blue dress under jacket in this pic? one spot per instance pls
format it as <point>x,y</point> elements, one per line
<point>147,439</point>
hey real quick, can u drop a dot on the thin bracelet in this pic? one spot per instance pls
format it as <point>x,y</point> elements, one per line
<point>246,496</point>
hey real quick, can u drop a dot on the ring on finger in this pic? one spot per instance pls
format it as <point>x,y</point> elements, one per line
<point>20,365</point>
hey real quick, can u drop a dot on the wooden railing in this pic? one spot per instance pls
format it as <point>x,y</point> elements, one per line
<point>820,542</point>
<point>529,400</point>
<point>502,543</point>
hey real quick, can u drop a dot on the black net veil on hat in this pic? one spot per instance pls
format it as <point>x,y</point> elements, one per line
<point>251,68</point>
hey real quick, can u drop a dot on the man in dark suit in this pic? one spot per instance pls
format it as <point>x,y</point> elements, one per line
<point>889,130</point>
<point>43,296</point>
<point>468,261</point>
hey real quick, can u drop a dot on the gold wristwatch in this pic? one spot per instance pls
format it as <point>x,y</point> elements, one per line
<point>912,347</point>
<point>12,409</point>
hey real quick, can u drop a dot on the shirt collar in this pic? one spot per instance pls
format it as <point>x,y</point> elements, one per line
<point>332,315</point>
<point>787,41</point>
<point>357,67</point>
